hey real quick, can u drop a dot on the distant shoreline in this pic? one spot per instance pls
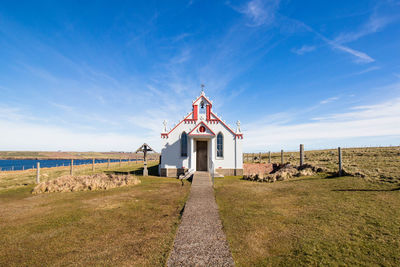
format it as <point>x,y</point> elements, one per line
<point>44,158</point>
<point>61,155</point>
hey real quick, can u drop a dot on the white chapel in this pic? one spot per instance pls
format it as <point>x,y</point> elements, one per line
<point>201,142</point>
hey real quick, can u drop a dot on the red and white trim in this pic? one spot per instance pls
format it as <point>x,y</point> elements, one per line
<point>202,96</point>
<point>165,135</point>
<point>211,118</point>
<point>197,126</point>
<point>240,136</point>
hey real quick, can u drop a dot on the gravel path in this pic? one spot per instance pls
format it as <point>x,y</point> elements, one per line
<point>200,240</point>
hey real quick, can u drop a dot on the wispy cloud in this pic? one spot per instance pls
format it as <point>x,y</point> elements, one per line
<point>16,114</point>
<point>264,13</point>
<point>28,136</point>
<point>107,101</point>
<point>378,111</point>
<point>304,49</point>
<point>363,121</point>
<point>360,57</point>
<point>260,12</point>
<point>40,73</point>
<point>329,100</point>
<point>373,68</point>
<point>182,57</point>
<point>181,37</point>
<point>10,113</point>
<point>63,107</point>
<point>374,24</point>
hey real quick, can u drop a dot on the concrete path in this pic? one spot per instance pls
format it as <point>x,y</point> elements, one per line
<point>200,240</point>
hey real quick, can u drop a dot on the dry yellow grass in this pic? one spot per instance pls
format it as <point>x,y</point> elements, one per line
<point>311,221</point>
<point>124,226</point>
<point>376,163</point>
<point>74,183</point>
<point>12,179</point>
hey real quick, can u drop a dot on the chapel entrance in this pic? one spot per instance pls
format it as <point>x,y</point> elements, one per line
<point>201,158</point>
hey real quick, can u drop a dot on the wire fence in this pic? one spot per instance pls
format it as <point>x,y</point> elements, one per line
<point>26,164</point>
<point>10,179</point>
<point>378,163</point>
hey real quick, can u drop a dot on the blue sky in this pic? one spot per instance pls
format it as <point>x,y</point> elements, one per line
<point>103,75</point>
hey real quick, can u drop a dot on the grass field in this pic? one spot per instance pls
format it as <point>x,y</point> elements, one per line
<point>376,163</point>
<point>317,221</point>
<point>126,226</point>
<point>313,221</point>
<point>12,179</point>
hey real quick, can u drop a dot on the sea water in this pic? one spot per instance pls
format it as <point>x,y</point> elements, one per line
<point>24,164</point>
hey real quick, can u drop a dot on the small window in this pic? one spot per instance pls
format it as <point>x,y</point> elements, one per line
<point>184,145</point>
<point>220,145</point>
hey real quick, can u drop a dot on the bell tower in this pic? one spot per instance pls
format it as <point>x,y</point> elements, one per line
<point>201,107</point>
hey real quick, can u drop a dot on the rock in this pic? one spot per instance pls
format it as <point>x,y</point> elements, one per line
<point>278,172</point>
<point>306,172</point>
<point>360,174</point>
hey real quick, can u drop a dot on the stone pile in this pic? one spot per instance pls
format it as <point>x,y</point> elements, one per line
<point>280,172</point>
<point>68,183</point>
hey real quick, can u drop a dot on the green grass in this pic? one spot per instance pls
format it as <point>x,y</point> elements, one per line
<point>313,221</point>
<point>129,226</point>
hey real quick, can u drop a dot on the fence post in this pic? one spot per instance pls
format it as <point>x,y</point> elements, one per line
<point>93,165</point>
<point>301,154</point>
<point>120,162</point>
<point>108,164</point>
<point>269,157</point>
<point>259,156</point>
<point>282,156</point>
<point>71,170</point>
<point>38,173</point>
<point>252,158</point>
<point>23,167</point>
<point>340,161</point>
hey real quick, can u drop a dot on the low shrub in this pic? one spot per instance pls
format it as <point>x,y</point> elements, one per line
<point>68,183</point>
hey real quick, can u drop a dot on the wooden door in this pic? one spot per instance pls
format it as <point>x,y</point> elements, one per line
<point>201,152</point>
